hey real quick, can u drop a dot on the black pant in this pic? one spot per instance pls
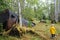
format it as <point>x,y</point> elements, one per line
<point>53,35</point>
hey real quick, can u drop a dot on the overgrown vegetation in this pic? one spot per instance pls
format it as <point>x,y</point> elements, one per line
<point>3,5</point>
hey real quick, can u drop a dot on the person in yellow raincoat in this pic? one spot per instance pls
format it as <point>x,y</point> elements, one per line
<point>52,31</point>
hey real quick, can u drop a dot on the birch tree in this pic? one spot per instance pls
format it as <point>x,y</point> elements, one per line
<point>19,13</point>
<point>56,10</point>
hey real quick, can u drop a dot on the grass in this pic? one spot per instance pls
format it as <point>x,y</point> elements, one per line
<point>35,38</point>
<point>7,38</point>
<point>29,36</point>
<point>58,31</point>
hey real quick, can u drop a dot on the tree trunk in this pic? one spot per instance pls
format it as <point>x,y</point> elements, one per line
<point>59,10</point>
<point>56,11</point>
<point>19,13</point>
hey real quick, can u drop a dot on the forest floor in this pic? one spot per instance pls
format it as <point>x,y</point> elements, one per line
<point>42,29</point>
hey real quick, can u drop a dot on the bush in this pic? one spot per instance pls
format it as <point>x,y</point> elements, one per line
<point>29,24</point>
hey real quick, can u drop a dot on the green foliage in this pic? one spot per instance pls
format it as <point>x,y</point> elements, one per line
<point>28,13</point>
<point>3,5</point>
<point>32,2</point>
<point>30,24</point>
<point>37,11</point>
